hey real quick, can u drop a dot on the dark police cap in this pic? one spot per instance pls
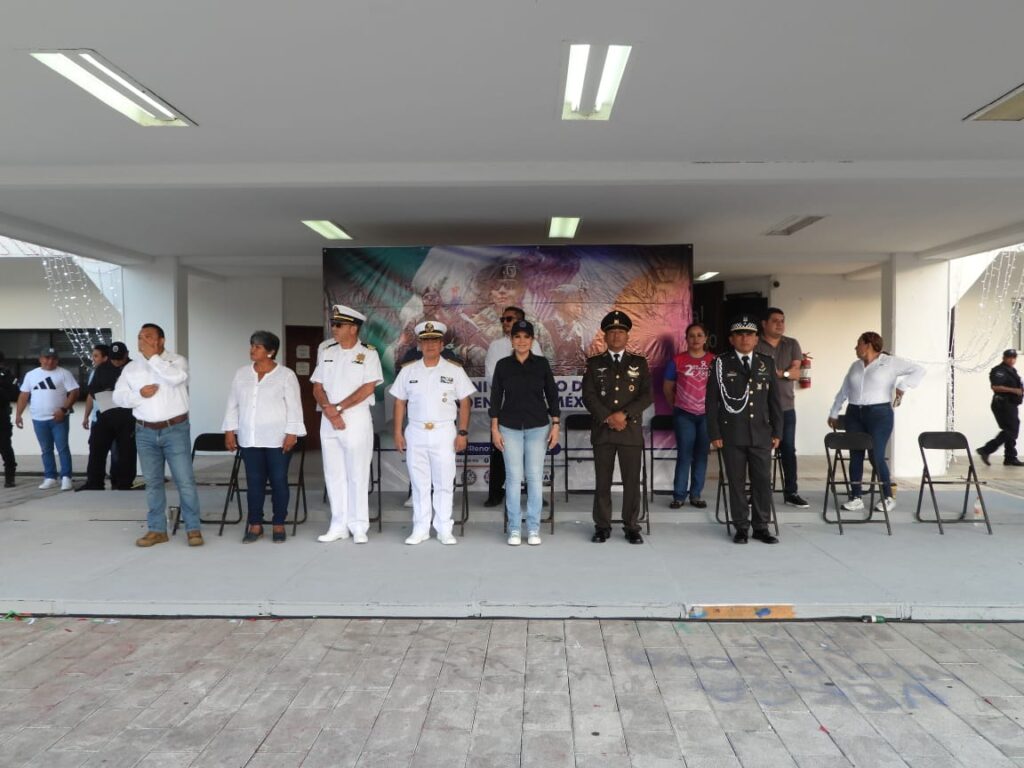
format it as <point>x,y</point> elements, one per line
<point>743,324</point>
<point>522,326</point>
<point>48,352</point>
<point>1009,353</point>
<point>616,320</point>
<point>118,351</point>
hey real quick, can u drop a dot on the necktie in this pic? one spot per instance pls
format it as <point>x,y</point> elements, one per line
<point>616,356</point>
<point>746,365</point>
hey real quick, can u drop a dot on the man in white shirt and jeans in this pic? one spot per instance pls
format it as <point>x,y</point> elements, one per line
<point>50,392</point>
<point>155,387</point>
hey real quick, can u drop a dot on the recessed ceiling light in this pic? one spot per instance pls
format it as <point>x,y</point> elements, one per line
<point>706,276</point>
<point>1008,107</point>
<point>327,229</point>
<point>90,72</point>
<point>793,224</point>
<point>563,227</point>
<point>589,103</point>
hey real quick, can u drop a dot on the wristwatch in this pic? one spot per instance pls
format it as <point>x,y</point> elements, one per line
<point>785,374</point>
<point>339,409</point>
<point>463,433</point>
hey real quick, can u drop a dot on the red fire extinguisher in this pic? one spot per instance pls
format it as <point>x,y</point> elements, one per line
<point>805,372</point>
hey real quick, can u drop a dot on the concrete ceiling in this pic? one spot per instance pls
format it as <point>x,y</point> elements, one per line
<point>438,122</point>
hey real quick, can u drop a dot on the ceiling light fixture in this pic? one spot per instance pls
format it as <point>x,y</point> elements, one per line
<point>563,227</point>
<point>98,77</point>
<point>706,276</point>
<point>1008,107</point>
<point>327,229</point>
<point>792,225</point>
<point>584,101</point>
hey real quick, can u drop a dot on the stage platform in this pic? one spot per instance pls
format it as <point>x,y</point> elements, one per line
<point>73,553</point>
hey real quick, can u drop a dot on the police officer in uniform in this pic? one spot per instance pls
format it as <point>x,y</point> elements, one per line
<point>9,391</point>
<point>114,427</point>
<point>745,423</point>
<point>617,391</point>
<point>346,374</point>
<point>435,392</point>
<point>1007,393</point>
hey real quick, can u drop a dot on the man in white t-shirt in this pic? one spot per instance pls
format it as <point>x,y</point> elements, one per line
<point>50,392</point>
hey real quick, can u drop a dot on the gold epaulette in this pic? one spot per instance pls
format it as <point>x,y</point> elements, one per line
<point>368,346</point>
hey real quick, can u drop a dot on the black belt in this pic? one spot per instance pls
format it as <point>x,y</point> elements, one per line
<point>163,424</point>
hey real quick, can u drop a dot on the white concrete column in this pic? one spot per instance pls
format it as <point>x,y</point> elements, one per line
<point>157,293</point>
<point>915,325</point>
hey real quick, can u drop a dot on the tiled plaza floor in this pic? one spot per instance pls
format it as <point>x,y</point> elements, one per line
<point>326,693</point>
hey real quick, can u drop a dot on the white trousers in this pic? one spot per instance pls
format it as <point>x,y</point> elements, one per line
<point>347,455</point>
<point>430,457</point>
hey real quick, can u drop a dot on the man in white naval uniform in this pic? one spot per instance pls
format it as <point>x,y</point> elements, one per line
<point>346,374</point>
<point>436,391</point>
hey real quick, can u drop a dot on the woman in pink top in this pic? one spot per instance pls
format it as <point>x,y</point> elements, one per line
<point>686,379</point>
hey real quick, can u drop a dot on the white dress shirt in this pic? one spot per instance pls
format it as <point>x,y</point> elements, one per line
<point>874,383</point>
<point>167,370</point>
<point>263,411</point>
<point>500,348</point>
<point>433,392</point>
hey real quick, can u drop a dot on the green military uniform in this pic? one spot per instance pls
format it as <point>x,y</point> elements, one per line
<point>610,387</point>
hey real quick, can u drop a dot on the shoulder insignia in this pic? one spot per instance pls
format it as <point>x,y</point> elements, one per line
<point>332,344</point>
<point>368,346</point>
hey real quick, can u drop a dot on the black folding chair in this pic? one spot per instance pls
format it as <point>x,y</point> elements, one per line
<point>213,443</point>
<point>777,473</point>
<point>722,515</point>
<point>375,482</point>
<point>660,423</point>
<point>578,453</point>
<point>835,445</point>
<point>948,441</point>
<point>299,485</point>
<point>462,482</point>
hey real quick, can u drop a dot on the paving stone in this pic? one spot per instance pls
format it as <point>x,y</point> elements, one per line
<point>441,749</point>
<point>760,749</point>
<point>598,733</point>
<point>547,711</point>
<point>230,748</point>
<point>296,730</point>
<point>547,749</point>
<point>396,732</point>
<point>452,710</point>
<point>335,748</point>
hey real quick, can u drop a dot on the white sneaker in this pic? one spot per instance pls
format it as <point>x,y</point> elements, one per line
<point>65,484</point>
<point>360,538</point>
<point>417,538</point>
<point>447,538</point>
<point>408,502</point>
<point>333,535</point>
<point>514,539</point>
<point>47,484</point>
<point>886,505</point>
<point>533,539</point>
<point>855,504</point>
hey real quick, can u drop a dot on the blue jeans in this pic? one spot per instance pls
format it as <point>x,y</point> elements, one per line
<point>262,464</point>
<point>49,434</point>
<point>174,446</point>
<point>524,456</point>
<point>787,450</point>
<point>692,457</point>
<point>876,421</point>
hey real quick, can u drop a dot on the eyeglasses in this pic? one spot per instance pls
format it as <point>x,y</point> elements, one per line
<point>509,319</point>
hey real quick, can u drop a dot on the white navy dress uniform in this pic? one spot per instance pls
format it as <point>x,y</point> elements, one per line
<point>433,394</point>
<point>348,452</point>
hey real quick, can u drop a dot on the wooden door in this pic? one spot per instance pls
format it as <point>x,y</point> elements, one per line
<point>301,342</point>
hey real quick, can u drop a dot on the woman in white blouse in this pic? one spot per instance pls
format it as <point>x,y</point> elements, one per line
<point>869,386</point>
<point>264,419</point>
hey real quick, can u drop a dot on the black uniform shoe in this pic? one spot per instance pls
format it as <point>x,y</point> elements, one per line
<point>494,501</point>
<point>599,537</point>
<point>984,456</point>
<point>634,537</point>
<point>676,504</point>
<point>9,482</point>
<point>795,500</point>
<point>740,537</point>
<point>698,502</point>
<point>1014,462</point>
<point>765,536</point>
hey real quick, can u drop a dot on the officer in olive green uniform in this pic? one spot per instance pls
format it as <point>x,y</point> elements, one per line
<point>617,391</point>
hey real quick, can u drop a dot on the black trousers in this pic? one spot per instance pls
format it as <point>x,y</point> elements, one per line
<point>739,460</point>
<point>6,449</point>
<point>629,468</point>
<point>1008,419</point>
<point>114,427</point>
<point>496,476</point>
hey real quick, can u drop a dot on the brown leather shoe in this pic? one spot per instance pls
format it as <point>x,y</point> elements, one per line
<point>195,538</point>
<point>151,538</point>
